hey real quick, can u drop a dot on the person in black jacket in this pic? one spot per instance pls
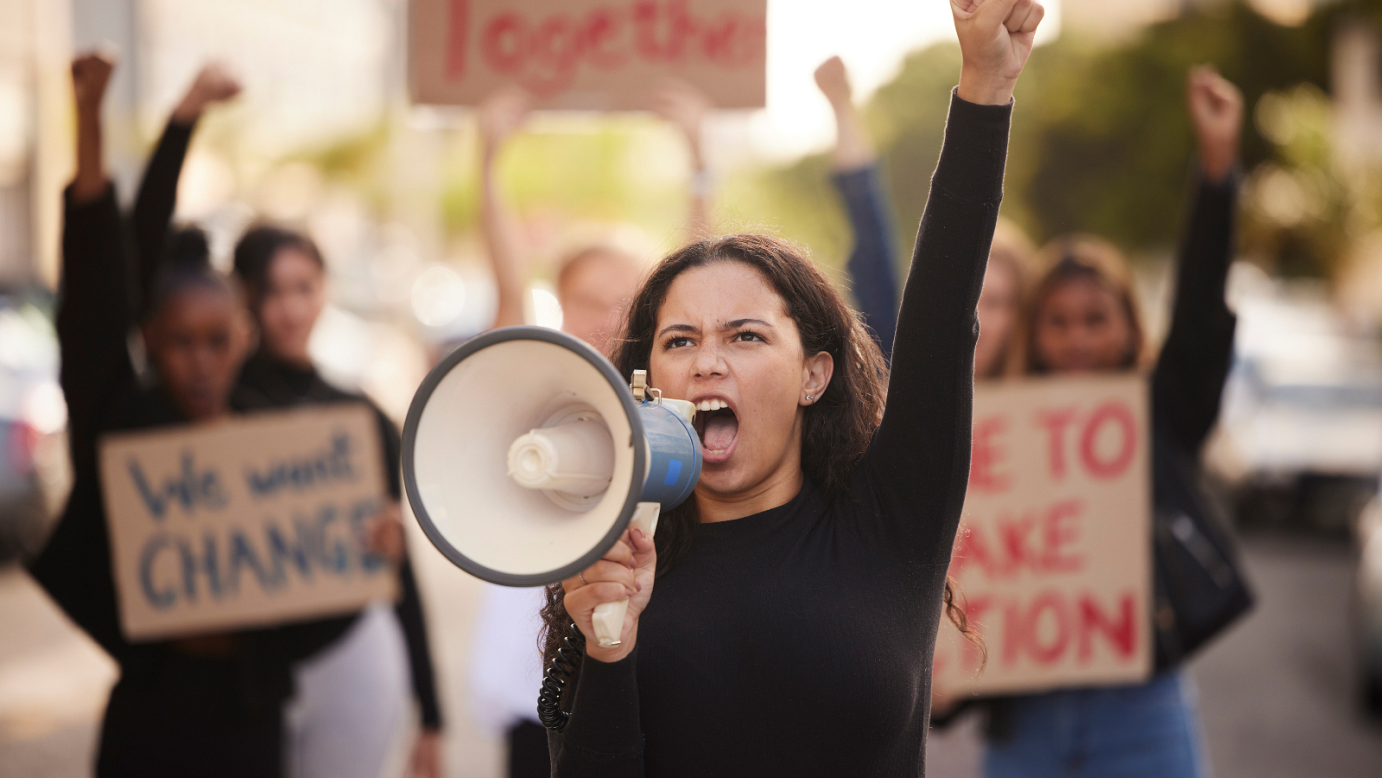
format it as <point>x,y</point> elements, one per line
<point>330,731</point>
<point>784,620</point>
<point>1083,318</point>
<point>206,706</point>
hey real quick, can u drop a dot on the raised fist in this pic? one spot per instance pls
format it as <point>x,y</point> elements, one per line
<point>1216,111</point>
<point>995,41</point>
<point>90,76</point>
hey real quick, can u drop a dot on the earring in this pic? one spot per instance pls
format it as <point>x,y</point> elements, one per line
<point>808,398</point>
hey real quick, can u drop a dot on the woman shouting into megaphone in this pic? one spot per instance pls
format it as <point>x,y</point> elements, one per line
<point>783,621</point>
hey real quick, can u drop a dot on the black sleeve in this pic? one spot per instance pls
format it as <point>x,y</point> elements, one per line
<point>603,738</point>
<point>409,607</point>
<point>153,207</point>
<point>409,610</point>
<point>92,322</point>
<point>1188,382</point>
<point>870,262</point>
<point>918,462</point>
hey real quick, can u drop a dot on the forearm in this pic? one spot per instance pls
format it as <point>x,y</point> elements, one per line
<point>502,245</point>
<point>871,270</point>
<point>1194,360</point>
<point>91,181</point>
<point>93,317</point>
<point>155,203</point>
<point>604,738</point>
<point>920,453</point>
<point>410,615</point>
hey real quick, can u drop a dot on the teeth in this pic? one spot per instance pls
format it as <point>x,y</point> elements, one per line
<point>704,406</point>
<point>716,405</point>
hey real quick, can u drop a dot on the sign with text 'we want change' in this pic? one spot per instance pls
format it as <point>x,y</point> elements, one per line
<point>252,522</point>
<point>1054,550</point>
<point>600,55</point>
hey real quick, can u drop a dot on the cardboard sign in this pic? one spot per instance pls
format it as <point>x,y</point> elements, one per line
<point>587,54</point>
<point>247,523</point>
<point>1054,550</point>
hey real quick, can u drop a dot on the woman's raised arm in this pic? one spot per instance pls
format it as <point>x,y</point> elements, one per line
<point>919,461</point>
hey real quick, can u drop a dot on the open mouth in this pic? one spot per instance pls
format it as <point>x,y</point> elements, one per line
<point>718,427</point>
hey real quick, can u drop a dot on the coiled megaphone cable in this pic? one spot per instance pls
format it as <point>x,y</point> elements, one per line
<point>569,656</point>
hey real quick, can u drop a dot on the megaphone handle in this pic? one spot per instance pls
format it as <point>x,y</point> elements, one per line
<point>608,618</point>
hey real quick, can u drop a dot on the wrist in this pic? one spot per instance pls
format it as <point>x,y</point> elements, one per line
<point>985,88</point>
<point>612,654</point>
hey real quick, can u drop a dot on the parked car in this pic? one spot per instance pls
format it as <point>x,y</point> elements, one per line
<point>1299,443</point>
<point>33,418</point>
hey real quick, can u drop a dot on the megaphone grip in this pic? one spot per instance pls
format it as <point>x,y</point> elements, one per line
<point>608,619</point>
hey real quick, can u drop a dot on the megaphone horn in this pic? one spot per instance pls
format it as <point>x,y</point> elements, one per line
<point>526,456</point>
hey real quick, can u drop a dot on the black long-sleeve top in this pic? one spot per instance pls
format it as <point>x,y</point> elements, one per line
<point>798,641</point>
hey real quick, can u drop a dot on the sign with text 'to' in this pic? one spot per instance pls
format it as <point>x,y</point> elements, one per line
<point>247,523</point>
<point>1054,551</point>
<point>602,55</point>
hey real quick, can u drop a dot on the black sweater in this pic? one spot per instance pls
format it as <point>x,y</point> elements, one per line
<point>798,641</point>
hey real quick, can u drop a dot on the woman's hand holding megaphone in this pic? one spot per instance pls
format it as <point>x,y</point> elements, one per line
<point>626,572</point>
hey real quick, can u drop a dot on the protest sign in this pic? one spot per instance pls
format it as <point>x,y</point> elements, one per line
<point>587,54</point>
<point>245,523</point>
<point>1054,551</point>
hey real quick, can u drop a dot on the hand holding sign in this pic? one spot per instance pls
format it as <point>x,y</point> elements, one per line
<point>995,40</point>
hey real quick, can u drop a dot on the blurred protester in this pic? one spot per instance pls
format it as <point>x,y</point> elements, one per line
<point>813,499</point>
<point>1083,318</point>
<point>206,706</point>
<point>871,267</point>
<point>594,285</point>
<point>351,700</point>
<point>350,696</point>
<point>859,181</point>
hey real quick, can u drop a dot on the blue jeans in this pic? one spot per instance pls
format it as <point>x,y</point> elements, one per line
<point>1151,730</point>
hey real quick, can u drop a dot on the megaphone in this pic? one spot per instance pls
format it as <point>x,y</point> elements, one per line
<point>526,455</point>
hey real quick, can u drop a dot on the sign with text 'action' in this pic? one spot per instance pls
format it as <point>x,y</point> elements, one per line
<point>1054,551</point>
<point>587,54</point>
<point>251,522</point>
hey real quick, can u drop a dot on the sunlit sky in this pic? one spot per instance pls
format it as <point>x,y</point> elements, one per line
<point>871,36</point>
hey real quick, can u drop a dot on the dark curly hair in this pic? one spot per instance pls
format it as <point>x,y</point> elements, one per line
<point>836,430</point>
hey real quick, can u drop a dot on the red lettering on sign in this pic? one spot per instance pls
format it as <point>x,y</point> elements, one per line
<point>556,47</point>
<point>1121,635</point>
<point>1013,533</point>
<point>988,455</point>
<point>1055,423</point>
<point>970,548</point>
<point>505,41</point>
<point>1118,414</point>
<point>1048,653</point>
<point>601,31</point>
<point>1013,631</point>
<point>1060,528</point>
<point>458,39</point>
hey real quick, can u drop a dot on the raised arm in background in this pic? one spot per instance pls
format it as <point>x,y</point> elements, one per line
<point>920,454</point>
<point>1194,360</point>
<point>685,107</point>
<point>856,176</point>
<point>158,190</point>
<point>93,320</point>
<point>500,116</point>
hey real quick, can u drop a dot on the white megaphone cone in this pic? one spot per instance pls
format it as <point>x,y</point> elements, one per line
<point>526,456</point>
